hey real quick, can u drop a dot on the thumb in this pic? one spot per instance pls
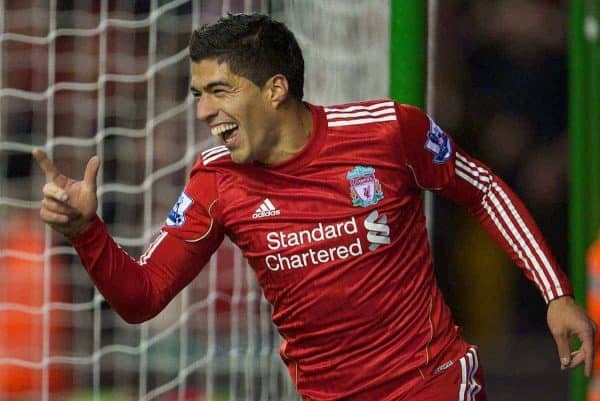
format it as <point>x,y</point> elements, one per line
<point>91,172</point>
<point>564,350</point>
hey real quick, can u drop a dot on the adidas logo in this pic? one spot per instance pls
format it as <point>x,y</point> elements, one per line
<point>266,209</point>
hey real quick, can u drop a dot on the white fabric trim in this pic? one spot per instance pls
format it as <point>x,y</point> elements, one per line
<point>215,156</point>
<point>469,388</point>
<point>463,381</point>
<point>360,107</point>
<point>333,116</point>
<point>529,260</point>
<point>531,239</point>
<point>144,258</point>
<point>216,149</point>
<point>359,121</point>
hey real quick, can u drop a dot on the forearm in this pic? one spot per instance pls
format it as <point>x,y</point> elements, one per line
<point>121,280</point>
<point>506,219</point>
<point>136,290</point>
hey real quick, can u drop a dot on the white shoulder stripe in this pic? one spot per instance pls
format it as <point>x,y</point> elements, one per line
<point>213,150</point>
<point>214,156</point>
<point>360,107</point>
<point>389,110</point>
<point>360,121</point>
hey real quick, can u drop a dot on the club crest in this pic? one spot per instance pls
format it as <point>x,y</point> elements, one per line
<point>365,188</point>
<point>438,143</point>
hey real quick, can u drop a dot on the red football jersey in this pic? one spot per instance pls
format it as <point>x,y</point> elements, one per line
<point>336,236</point>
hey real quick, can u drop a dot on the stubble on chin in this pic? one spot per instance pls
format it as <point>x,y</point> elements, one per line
<point>238,157</point>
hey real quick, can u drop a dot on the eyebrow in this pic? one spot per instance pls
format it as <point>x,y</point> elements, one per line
<point>208,87</point>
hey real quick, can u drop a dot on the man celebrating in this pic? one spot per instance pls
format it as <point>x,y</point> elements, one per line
<point>325,202</point>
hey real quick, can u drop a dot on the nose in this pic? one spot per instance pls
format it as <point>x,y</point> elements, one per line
<point>205,108</point>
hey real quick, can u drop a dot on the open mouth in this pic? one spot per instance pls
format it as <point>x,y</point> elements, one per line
<point>226,132</point>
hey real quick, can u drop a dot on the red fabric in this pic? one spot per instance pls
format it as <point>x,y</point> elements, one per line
<point>138,291</point>
<point>337,238</point>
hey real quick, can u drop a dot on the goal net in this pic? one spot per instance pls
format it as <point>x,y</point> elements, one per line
<point>111,78</point>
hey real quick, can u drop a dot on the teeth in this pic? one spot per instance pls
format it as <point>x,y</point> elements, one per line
<point>219,129</point>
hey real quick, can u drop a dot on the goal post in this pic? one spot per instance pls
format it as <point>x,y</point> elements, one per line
<point>412,64</point>
<point>408,51</point>
<point>584,129</point>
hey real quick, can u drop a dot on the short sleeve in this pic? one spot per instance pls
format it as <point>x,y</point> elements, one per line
<point>193,216</point>
<point>428,150</point>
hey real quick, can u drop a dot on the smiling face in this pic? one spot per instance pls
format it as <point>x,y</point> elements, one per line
<point>236,109</point>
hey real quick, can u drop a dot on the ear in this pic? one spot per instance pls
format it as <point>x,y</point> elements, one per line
<point>278,90</point>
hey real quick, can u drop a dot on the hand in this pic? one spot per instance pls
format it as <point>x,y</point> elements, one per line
<point>68,206</point>
<point>565,320</point>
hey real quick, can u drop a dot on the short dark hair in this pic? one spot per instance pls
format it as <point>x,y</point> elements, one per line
<point>255,47</point>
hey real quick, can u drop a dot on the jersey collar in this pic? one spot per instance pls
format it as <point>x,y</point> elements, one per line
<point>310,149</point>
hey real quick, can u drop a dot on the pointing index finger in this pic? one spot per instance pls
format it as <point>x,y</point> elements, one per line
<point>45,164</point>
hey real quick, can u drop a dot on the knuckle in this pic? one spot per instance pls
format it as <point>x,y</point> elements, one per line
<point>51,206</point>
<point>45,216</point>
<point>50,217</point>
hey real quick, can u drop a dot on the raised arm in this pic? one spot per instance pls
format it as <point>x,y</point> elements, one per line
<point>136,289</point>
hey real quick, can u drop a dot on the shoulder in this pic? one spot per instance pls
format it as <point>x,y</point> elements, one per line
<point>368,112</point>
<point>203,176</point>
<point>214,166</point>
<point>410,116</point>
<point>380,116</point>
<point>417,127</point>
<point>212,158</point>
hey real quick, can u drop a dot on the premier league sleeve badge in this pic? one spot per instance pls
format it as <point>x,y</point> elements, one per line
<point>176,217</point>
<point>438,143</point>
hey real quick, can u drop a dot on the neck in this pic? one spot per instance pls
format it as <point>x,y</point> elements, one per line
<point>294,131</point>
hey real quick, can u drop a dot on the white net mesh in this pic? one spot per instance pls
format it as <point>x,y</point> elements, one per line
<point>111,78</point>
<point>345,46</point>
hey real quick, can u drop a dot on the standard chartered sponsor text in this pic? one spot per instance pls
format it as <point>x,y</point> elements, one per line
<point>321,232</point>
